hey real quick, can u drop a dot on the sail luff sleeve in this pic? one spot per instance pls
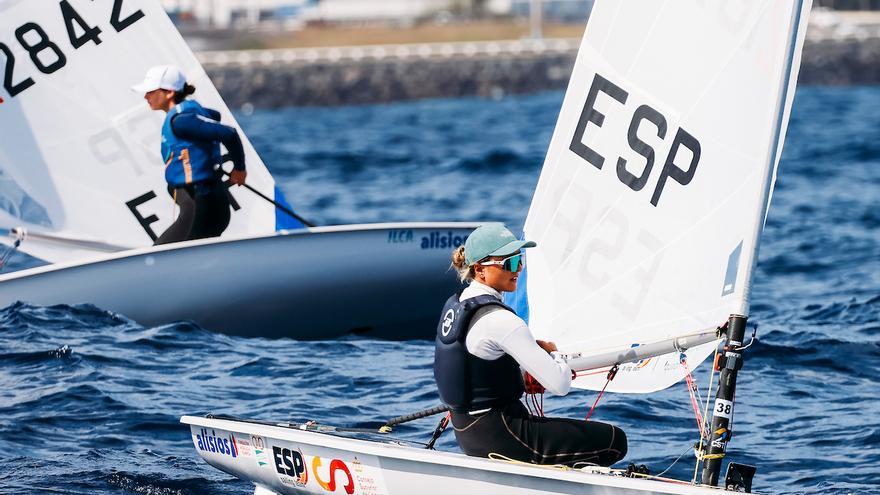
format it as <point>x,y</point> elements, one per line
<point>788,80</point>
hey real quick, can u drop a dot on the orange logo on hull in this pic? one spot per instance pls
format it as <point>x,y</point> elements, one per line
<point>335,465</point>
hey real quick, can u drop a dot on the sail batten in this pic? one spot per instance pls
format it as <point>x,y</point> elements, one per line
<point>655,187</point>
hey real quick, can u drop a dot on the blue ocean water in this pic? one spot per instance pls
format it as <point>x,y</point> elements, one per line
<point>90,401</point>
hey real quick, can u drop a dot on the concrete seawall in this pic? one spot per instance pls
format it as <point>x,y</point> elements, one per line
<point>379,74</point>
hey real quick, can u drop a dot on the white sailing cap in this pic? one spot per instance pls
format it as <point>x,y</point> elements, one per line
<point>161,77</point>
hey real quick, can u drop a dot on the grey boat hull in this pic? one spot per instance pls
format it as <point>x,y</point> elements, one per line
<point>380,280</point>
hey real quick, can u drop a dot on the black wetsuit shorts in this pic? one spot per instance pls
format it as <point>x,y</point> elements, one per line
<point>513,432</point>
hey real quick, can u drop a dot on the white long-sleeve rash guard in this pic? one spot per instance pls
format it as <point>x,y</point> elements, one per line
<point>495,331</point>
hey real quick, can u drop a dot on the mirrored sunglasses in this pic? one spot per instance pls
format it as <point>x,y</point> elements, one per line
<point>511,263</point>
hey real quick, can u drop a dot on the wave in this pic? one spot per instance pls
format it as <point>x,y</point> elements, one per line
<point>21,316</point>
<point>851,312</point>
<point>817,352</point>
<point>29,358</point>
<point>495,159</point>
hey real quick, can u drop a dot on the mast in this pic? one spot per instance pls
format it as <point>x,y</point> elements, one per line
<point>732,360</point>
<point>722,413</point>
<point>536,19</point>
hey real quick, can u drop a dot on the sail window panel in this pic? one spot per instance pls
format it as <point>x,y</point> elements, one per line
<point>17,207</point>
<point>29,198</point>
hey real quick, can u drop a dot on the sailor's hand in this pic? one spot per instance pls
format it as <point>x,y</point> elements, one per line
<point>547,346</point>
<point>237,177</point>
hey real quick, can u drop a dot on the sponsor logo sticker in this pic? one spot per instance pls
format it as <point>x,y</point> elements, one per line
<point>291,466</point>
<point>243,446</point>
<point>259,444</point>
<point>216,444</point>
<point>400,236</point>
<point>723,435</point>
<point>448,319</point>
<point>337,469</point>
<point>368,483</point>
<point>442,240</point>
<point>637,366</point>
<point>299,470</point>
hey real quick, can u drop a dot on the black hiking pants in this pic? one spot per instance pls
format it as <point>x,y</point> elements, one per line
<point>204,212</point>
<point>513,432</point>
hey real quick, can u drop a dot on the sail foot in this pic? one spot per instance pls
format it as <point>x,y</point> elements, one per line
<point>729,363</point>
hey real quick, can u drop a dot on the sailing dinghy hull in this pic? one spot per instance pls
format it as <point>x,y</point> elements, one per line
<point>381,280</point>
<point>286,460</point>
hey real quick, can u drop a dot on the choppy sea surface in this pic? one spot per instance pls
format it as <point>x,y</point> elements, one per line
<point>90,401</point>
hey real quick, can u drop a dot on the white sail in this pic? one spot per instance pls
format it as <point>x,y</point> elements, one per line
<point>657,182</point>
<point>79,151</point>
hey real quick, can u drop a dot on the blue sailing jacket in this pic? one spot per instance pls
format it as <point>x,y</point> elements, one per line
<point>191,137</point>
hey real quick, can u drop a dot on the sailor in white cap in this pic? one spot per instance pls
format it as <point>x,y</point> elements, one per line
<point>191,137</point>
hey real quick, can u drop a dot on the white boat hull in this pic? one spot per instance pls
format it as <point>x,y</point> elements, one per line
<point>381,280</point>
<point>286,460</point>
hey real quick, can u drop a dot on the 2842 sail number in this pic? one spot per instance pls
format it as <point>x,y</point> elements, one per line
<point>45,54</point>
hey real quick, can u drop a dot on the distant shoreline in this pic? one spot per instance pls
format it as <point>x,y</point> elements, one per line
<point>361,75</point>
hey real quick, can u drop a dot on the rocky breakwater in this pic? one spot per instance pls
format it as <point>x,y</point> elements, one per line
<point>842,48</point>
<point>379,74</point>
<point>847,61</point>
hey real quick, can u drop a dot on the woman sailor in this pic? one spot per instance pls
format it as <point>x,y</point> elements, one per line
<point>191,137</point>
<point>481,347</point>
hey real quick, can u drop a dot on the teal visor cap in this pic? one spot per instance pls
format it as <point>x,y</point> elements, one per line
<point>492,239</point>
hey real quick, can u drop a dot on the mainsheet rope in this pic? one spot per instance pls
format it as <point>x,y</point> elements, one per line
<point>611,374</point>
<point>693,392</point>
<point>533,390</point>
